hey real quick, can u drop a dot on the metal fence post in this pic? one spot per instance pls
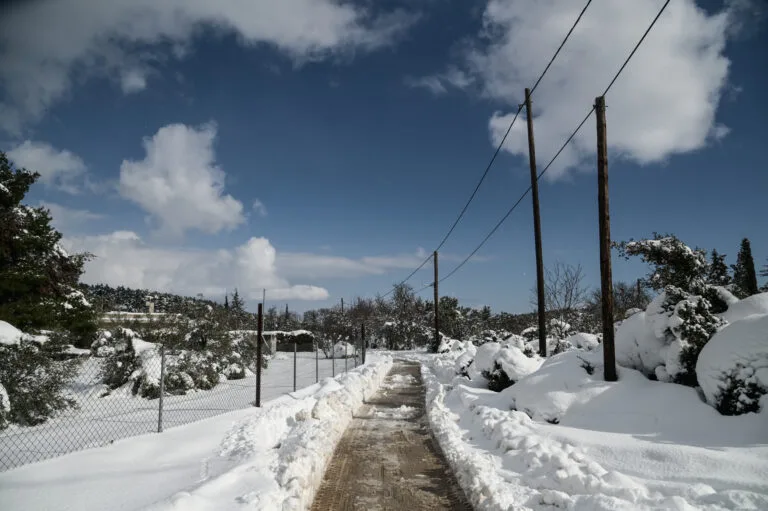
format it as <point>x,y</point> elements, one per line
<point>294,367</point>
<point>259,340</point>
<point>317,363</point>
<point>162,390</point>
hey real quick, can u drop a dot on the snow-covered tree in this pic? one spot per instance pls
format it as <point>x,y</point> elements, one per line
<point>673,263</point>
<point>38,278</point>
<point>744,275</point>
<point>717,274</point>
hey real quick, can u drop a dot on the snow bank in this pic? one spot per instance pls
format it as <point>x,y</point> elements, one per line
<point>9,334</point>
<point>755,304</point>
<point>631,444</point>
<point>307,450</point>
<point>732,369</point>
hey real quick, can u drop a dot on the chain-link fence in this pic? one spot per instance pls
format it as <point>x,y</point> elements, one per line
<point>103,414</point>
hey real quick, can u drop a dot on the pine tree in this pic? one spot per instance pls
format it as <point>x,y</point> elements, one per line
<point>718,271</point>
<point>226,303</point>
<point>237,310</point>
<point>764,273</point>
<point>744,275</point>
<point>38,280</point>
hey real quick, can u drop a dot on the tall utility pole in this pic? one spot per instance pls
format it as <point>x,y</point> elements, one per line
<point>536,229</point>
<point>437,298</point>
<point>606,280</point>
<point>260,314</point>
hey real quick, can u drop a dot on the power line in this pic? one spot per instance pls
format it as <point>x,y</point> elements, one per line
<point>562,147</point>
<point>509,128</point>
<point>498,149</point>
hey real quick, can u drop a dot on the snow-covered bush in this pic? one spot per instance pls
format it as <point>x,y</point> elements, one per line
<point>344,350</point>
<point>732,369</point>
<point>665,341</point>
<point>501,365</point>
<point>582,341</point>
<point>34,381</point>
<point>5,407</point>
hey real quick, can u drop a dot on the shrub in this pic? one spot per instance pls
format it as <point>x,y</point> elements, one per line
<point>34,383</point>
<point>5,408</point>
<point>497,378</point>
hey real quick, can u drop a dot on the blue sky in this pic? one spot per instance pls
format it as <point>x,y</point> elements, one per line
<point>322,149</point>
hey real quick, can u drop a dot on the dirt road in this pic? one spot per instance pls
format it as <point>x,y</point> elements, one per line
<point>388,458</point>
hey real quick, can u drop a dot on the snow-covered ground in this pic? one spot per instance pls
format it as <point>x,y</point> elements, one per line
<point>268,458</point>
<point>563,438</point>
<point>100,421</point>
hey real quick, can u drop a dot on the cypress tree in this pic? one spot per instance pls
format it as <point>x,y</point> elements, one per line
<point>744,275</point>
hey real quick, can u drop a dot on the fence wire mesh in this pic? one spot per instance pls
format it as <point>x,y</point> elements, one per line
<point>103,415</point>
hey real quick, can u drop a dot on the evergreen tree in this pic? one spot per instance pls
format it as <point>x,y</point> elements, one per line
<point>717,274</point>
<point>764,273</point>
<point>744,275</point>
<point>226,303</point>
<point>237,310</point>
<point>38,279</point>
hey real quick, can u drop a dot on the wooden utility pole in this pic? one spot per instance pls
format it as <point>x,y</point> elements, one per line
<point>437,299</point>
<point>259,325</point>
<point>536,229</point>
<point>606,280</point>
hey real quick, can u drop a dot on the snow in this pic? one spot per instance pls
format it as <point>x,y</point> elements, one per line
<point>738,352</point>
<point>583,341</point>
<point>344,349</point>
<point>755,304</point>
<point>9,334</point>
<point>100,421</point>
<point>5,401</point>
<point>268,458</point>
<point>631,444</point>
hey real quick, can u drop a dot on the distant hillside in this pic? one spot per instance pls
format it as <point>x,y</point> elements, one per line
<point>107,298</point>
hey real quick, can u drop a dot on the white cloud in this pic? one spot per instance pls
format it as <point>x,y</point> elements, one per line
<point>57,168</point>
<point>440,83</point>
<point>179,184</point>
<point>66,219</point>
<point>259,207</point>
<point>664,102</point>
<point>39,52</point>
<point>123,258</point>
<point>133,80</point>
<point>317,266</point>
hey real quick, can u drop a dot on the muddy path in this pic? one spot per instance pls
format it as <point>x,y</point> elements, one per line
<point>388,458</point>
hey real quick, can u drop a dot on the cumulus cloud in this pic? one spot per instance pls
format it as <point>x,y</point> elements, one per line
<point>179,184</point>
<point>440,83</point>
<point>664,102</point>
<point>66,219</point>
<point>57,168</point>
<point>133,80</point>
<point>123,258</point>
<point>39,52</point>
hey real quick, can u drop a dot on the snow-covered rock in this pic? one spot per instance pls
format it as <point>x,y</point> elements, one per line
<point>732,369</point>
